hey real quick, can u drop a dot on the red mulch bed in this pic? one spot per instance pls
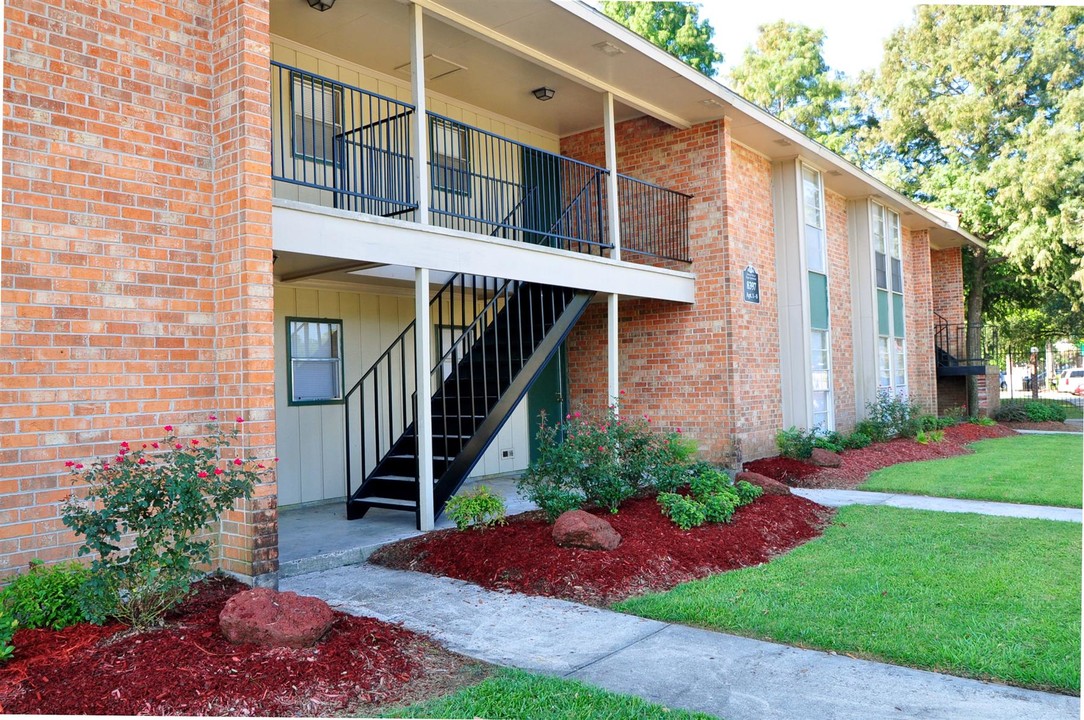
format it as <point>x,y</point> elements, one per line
<point>654,554</point>
<point>1051,425</point>
<point>189,668</point>
<point>858,464</point>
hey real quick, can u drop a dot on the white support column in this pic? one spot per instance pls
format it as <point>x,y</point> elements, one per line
<point>420,131</point>
<point>423,422</point>
<point>613,386</point>
<point>613,218</point>
<point>613,212</point>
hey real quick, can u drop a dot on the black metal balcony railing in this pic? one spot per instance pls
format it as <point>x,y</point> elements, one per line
<point>351,149</point>
<point>959,346</point>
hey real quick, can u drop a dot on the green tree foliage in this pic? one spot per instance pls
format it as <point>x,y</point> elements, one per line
<point>785,73</point>
<point>982,110</point>
<point>673,26</point>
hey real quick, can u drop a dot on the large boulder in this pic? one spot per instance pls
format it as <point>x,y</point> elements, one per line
<point>267,617</point>
<point>768,485</point>
<point>579,529</point>
<point>825,458</point>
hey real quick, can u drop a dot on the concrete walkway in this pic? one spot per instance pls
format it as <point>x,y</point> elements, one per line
<point>681,667</point>
<point>837,498</point>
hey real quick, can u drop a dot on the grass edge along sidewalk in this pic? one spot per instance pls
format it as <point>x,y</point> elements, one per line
<point>977,596</point>
<point>1028,469</point>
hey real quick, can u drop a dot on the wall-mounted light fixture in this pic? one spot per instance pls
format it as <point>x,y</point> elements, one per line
<point>544,93</point>
<point>321,5</point>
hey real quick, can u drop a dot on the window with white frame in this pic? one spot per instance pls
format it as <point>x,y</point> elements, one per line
<point>316,118</point>
<point>888,272</point>
<point>450,158</point>
<point>820,338</point>
<point>314,351</point>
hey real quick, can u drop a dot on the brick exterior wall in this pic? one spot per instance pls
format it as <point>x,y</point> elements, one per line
<point>947,274</point>
<point>840,316</point>
<point>137,248</point>
<point>918,299</point>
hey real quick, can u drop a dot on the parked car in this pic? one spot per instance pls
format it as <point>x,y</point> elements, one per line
<point>1071,380</point>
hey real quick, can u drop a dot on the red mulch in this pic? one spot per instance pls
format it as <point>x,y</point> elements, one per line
<point>858,464</point>
<point>654,554</point>
<point>189,668</point>
<point>1051,425</point>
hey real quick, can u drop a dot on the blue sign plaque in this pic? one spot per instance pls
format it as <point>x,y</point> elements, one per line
<point>751,282</point>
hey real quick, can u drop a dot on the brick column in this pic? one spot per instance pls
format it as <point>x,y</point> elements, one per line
<point>241,131</point>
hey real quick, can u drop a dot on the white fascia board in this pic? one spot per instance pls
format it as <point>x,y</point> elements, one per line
<point>313,230</point>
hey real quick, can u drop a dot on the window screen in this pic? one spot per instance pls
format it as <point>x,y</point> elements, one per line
<point>450,165</point>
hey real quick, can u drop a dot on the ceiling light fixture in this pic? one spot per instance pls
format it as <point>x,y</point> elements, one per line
<point>544,93</point>
<point>321,5</point>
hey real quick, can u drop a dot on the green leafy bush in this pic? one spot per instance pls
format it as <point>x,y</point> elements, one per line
<point>795,442</point>
<point>889,416</point>
<point>603,459</point>
<point>856,441</point>
<point>683,511</point>
<point>146,517</point>
<point>711,498</point>
<point>1030,411</point>
<point>8,626</point>
<point>830,440</point>
<point>984,421</point>
<point>933,436</point>
<point>46,597</point>
<point>479,507</point>
<point>747,492</point>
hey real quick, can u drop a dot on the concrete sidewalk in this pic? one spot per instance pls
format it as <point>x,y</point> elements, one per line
<point>681,667</point>
<point>838,498</point>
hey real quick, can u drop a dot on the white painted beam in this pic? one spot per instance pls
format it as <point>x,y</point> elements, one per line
<point>612,351</point>
<point>613,212</point>
<point>423,420</point>
<point>311,230</point>
<point>419,130</point>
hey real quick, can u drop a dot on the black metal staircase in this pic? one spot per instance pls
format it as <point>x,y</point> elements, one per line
<point>505,333</point>
<point>954,345</point>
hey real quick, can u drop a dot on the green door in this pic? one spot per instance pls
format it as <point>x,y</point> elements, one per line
<point>548,394</point>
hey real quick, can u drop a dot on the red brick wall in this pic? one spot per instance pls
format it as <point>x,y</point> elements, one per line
<point>840,316</point>
<point>948,277</point>
<point>136,250</point>
<point>918,310</point>
<point>674,357</point>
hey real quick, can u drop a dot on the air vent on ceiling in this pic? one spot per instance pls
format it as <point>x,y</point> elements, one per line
<point>436,68</point>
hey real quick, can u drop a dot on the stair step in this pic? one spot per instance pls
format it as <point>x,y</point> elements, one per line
<point>386,502</point>
<point>412,456</point>
<point>394,478</point>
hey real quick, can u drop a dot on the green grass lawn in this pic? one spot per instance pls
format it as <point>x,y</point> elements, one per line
<point>1034,469</point>
<point>516,694</point>
<point>987,597</point>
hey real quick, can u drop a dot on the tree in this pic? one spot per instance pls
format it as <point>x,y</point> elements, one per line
<point>785,73</point>
<point>673,26</point>
<point>982,110</point>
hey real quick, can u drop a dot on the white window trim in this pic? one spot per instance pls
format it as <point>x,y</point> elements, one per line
<point>891,247</point>
<point>830,422</point>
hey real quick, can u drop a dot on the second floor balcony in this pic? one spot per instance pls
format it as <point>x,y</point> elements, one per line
<point>344,147</point>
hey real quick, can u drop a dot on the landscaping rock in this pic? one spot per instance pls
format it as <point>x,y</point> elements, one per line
<point>580,529</point>
<point>825,458</point>
<point>267,617</point>
<point>765,483</point>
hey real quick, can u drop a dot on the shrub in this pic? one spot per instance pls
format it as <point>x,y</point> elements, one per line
<point>795,442</point>
<point>830,440</point>
<point>856,441</point>
<point>480,508</point>
<point>8,626</point>
<point>711,498</point>
<point>163,497</point>
<point>684,511</point>
<point>46,597</point>
<point>604,460</point>
<point>747,492</point>
<point>890,416</point>
<point>983,421</point>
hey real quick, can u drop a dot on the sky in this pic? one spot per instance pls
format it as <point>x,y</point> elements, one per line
<point>854,31</point>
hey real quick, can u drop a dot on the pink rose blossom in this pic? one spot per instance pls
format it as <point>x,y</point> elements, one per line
<point>78,466</point>
<point>240,419</point>
<point>238,461</point>
<point>70,463</point>
<point>218,471</point>
<point>213,417</point>
<point>169,428</point>
<point>202,474</point>
<point>142,461</point>
<point>178,446</point>
<point>195,442</point>
<point>576,414</point>
<point>105,466</point>
<point>154,445</point>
